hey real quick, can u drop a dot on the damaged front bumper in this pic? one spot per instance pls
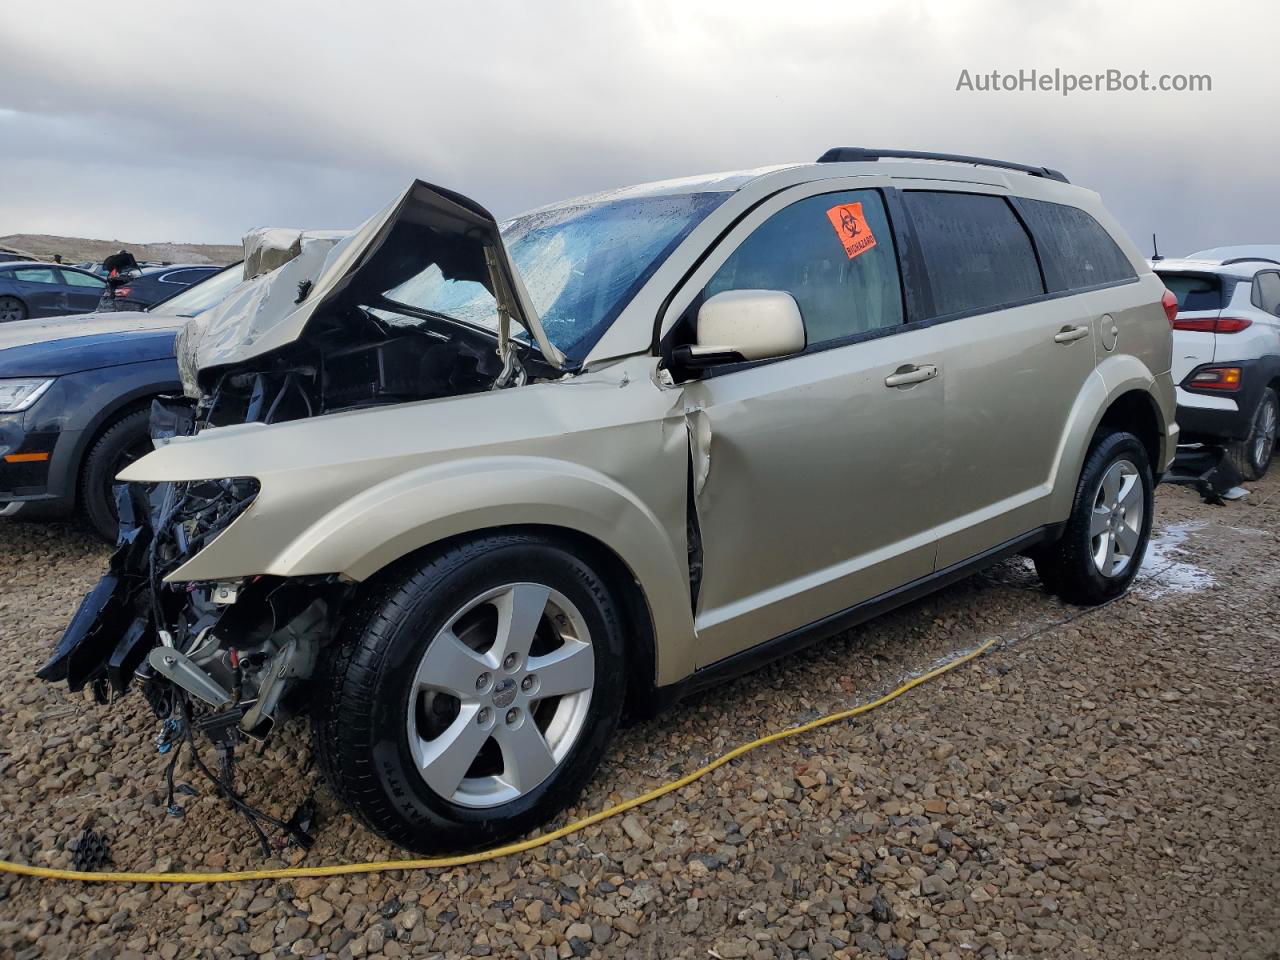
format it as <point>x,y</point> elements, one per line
<point>237,651</point>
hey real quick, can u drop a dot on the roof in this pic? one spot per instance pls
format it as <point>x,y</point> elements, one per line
<point>150,271</point>
<point>1236,268</point>
<point>724,182</point>
<point>1269,251</point>
<point>902,163</point>
<point>27,264</point>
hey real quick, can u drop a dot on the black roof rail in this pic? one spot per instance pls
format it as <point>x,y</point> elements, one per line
<point>1227,263</point>
<point>849,154</point>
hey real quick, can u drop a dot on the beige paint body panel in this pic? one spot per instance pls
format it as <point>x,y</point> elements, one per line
<point>820,489</point>
<point>604,454</point>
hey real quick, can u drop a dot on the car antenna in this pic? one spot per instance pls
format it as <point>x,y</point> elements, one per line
<point>1155,250</point>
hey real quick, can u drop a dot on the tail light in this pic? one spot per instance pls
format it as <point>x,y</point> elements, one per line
<point>1231,324</point>
<point>1212,324</point>
<point>1170,304</point>
<point>1215,378</point>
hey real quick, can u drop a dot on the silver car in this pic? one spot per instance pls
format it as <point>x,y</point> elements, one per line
<point>464,492</point>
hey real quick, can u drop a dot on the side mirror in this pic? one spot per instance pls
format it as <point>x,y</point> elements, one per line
<point>742,325</point>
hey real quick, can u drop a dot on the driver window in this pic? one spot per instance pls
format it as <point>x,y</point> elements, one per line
<point>834,253</point>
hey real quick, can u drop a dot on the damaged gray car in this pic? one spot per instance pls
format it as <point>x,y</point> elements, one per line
<point>463,491</point>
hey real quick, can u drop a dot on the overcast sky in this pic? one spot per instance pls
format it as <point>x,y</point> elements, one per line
<point>177,121</point>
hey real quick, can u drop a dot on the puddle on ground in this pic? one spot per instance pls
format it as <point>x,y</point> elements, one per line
<point>1165,569</point>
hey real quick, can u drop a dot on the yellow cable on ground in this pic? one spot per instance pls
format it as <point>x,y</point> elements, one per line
<point>335,870</point>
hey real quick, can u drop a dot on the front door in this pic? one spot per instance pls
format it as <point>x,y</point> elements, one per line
<point>814,475</point>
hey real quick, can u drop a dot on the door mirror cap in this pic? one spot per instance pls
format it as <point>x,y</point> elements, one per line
<point>743,325</point>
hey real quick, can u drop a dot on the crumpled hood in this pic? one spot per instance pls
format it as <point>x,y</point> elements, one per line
<point>299,273</point>
<point>86,341</point>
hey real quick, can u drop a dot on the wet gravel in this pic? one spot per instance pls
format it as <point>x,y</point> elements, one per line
<point>1103,786</point>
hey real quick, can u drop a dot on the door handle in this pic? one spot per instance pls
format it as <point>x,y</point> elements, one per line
<point>1068,334</point>
<point>905,376</point>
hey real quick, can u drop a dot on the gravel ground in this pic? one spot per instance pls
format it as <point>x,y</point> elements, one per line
<point>1098,787</point>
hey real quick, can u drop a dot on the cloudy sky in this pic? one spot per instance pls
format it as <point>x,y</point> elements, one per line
<point>176,121</point>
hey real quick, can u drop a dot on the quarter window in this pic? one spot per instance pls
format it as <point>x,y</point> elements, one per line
<point>1076,250</point>
<point>1268,285</point>
<point>977,255</point>
<point>834,253</point>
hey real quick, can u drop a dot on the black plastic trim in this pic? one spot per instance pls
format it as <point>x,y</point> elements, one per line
<point>763,653</point>
<point>858,154</point>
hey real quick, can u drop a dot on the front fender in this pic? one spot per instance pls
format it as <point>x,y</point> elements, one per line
<point>421,507</point>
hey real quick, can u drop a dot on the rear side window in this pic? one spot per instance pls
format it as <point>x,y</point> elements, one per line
<point>1077,252</point>
<point>834,253</point>
<point>976,254</point>
<point>1195,291</point>
<point>1266,288</point>
<point>76,279</point>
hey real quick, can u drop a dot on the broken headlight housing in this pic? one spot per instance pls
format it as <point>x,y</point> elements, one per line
<point>189,515</point>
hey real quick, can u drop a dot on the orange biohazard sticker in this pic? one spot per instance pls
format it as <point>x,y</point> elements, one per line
<point>852,228</point>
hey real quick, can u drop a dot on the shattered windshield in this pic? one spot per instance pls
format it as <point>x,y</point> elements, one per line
<point>580,263</point>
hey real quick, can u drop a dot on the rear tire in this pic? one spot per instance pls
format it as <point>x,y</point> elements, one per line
<point>11,308</point>
<point>118,446</point>
<point>1105,539</point>
<point>435,747</point>
<point>1252,456</point>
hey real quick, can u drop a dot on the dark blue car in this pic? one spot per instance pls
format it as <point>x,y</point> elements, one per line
<point>75,398</point>
<point>46,290</point>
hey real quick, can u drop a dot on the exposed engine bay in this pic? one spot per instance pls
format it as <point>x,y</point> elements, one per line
<point>231,659</point>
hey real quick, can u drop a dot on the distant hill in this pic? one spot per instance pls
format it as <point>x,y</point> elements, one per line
<point>77,249</point>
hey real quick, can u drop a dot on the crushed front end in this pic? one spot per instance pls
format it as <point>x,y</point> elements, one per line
<point>235,650</point>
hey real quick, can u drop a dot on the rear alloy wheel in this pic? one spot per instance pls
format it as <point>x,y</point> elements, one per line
<point>1105,537</point>
<point>1252,455</point>
<point>11,308</point>
<point>472,694</point>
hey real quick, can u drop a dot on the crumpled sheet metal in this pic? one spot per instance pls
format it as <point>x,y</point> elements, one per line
<point>268,248</point>
<point>257,305</point>
<point>267,311</point>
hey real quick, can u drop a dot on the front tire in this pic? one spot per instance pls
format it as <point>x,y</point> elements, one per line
<point>472,694</point>
<point>119,445</point>
<point>1252,455</point>
<point>1106,534</point>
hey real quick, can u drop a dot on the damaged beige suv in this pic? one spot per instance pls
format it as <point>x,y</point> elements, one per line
<point>461,491</point>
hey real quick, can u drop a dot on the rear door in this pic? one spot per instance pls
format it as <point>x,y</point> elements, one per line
<point>42,290</point>
<point>83,290</point>
<point>1015,356</point>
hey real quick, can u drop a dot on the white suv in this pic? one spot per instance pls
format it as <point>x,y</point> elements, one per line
<point>1226,353</point>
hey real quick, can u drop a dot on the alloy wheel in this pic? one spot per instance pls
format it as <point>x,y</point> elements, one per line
<point>11,309</point>
<point>1115,528</point>
<point>501,695</point>
<point>1264,432</point>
